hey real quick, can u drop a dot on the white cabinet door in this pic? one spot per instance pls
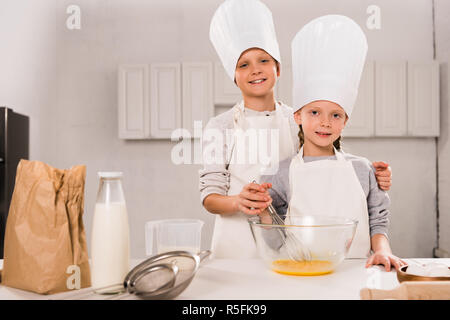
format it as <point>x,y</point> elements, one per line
<point>165,99</point>
<point>390,99</point>
<point>133,109</point>
<point>423,99</point>
<point>362,120</point>
<point>198,104</point>
<point>226,91</point>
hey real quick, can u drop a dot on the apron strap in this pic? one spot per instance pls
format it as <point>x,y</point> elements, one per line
<point>339,155</point>
<point>239,113</point>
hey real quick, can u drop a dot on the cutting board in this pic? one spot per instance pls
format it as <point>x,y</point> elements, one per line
<point>411,290</point>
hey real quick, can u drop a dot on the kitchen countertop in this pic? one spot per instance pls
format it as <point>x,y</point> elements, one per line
<point>223,279</point>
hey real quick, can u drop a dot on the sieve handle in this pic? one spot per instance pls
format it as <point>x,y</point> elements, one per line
<point>149,236</point>
<point>204,254</point>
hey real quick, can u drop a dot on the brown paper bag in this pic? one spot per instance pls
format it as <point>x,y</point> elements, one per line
<point>45,242</point>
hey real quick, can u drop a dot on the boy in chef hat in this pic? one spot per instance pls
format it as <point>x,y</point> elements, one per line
<point>243,34</point>
<point>328,56</point>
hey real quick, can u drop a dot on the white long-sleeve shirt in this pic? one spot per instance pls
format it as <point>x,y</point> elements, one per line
<point>215,177</point>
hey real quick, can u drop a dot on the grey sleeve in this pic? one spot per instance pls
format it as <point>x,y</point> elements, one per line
<point>378,203</point>
<point>214,177</point>
<point>280,187</point>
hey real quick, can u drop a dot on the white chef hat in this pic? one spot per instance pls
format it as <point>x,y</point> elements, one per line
<point>328,56</point>
<point>238,25</point>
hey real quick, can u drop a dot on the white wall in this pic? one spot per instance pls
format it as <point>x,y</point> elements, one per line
<point>442,18</point>
<point>413,206</point>
<point>142,31</point>
<point>28,68</point>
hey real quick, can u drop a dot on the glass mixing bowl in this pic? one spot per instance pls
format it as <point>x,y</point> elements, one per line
<point>328,240</point>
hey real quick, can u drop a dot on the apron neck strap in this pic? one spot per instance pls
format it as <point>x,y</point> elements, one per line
<point>339,155</point>
<point>239,112</point>
<point>238,115</point>
<point>241,107</point>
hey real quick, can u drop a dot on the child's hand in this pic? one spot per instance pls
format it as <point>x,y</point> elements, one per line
<point>385,258</point>
<point>383,175</point>
<point>254,198</point>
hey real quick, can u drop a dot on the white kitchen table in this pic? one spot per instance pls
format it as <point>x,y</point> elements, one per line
<point>222,279</point>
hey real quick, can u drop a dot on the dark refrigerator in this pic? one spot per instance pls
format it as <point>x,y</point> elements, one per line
<point>14,145</point>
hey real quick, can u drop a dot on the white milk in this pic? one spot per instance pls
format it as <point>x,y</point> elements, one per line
<point>109,244</point>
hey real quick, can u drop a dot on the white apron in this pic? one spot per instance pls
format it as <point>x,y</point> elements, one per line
<point>232,237</point>
<point>330,188</point>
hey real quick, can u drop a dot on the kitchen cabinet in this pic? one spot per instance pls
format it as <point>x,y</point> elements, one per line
<point>390,99</point>
<point>407,99</point>
<point>197,84</point>
<point>165,99</point>
<point>423,99</point>
<point>154,100</point>
<point>133,108</point>
<point>226,91</point>
<point>395,99</point>
<point>362,120</point>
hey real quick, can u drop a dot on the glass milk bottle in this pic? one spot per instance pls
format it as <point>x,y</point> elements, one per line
<point>110,234</point>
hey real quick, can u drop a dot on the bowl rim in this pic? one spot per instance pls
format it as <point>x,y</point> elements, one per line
<point>346,222</point>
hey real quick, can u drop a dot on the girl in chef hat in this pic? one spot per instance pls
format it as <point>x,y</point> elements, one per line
<point>243,34</point>
<point>328,56</point>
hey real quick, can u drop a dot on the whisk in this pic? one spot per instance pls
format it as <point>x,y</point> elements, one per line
<point>295,248</point>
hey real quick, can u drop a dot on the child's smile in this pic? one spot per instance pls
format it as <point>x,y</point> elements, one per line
<point>257,81</point>
<point>256,73</point>
<point>323,134</point>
